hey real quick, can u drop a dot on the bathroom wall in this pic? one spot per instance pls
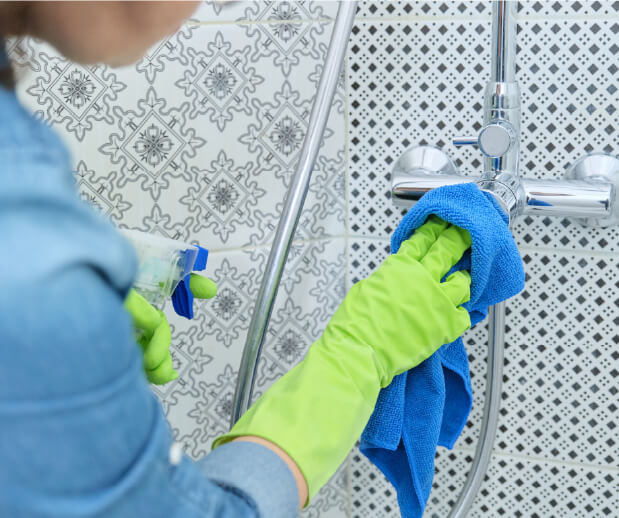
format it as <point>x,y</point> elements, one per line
<point>198,142</point>
<point>416,74</point>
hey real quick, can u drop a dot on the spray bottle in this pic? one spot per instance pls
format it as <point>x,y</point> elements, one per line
<point>164,266</point>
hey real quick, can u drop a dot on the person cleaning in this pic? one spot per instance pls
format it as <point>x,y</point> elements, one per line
<point>81,434</point>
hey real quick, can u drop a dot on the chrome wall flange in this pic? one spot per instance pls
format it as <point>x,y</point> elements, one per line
<point>425,159</point>
<point>598,167</point>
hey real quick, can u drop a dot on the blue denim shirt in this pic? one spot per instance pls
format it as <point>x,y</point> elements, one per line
<point>81,434</point>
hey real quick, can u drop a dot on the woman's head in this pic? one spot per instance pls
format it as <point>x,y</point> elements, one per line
<point>114,33</point>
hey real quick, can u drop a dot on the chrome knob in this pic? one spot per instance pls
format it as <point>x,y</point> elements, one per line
<point>494,140</point>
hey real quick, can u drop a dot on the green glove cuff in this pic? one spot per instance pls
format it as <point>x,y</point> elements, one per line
<point>316,411</point>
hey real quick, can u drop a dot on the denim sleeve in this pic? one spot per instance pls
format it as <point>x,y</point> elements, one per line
<point>257,472</point>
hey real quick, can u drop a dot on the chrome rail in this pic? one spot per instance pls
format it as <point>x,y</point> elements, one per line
<point>293,206</point>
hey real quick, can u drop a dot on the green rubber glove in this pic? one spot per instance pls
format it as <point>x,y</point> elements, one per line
<point>154,334</point>
<point>387,324</point>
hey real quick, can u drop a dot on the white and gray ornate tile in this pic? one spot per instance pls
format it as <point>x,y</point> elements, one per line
<point>285,13</point>
<point>194,133</point>
<point>302,311</point>
<point>414,82</point>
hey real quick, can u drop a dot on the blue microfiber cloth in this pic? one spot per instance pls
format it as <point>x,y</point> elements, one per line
<point>429,405</point>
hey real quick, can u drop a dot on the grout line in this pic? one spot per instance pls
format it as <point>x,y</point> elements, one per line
<point>522,248</point>
<point>346,171</point>
<point>567,251</point>
<point>370,238</point>
<point>250,248</point>
<point>532,458</point>
<point>349,497</point>
<point>486,18</point>
<point>413,18</point>
<point>199,23</point>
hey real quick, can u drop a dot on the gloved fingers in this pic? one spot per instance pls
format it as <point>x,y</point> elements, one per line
<point>163,373</point>
<point>144,315</point>
<point>202,287</point>
<point>457,287</point>
<point>446,251</point>
<point>424,237</point>
<point>158,347</point>
<point>143,337</point>
<point>462,320</point>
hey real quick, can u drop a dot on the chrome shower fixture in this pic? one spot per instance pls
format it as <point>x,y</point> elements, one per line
<point>588,193</point>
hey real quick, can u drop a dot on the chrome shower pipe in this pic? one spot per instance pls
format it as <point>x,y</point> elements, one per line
<point>293,206</point>
<point>492,405</point>
<point>502,103</point>
<point>499,140</point>
<point>503,50</point>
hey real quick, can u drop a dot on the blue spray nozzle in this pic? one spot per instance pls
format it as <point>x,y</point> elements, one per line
<point>182,298</point>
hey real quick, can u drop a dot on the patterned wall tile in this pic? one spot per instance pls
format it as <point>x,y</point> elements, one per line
<point>514,486</point>
<point>198,402</point>
<point>213,11</point>
<point>194,134</point>
<point>280,33</point>
<point>468,9</point>
<point>402,9</point>
<point>561,378</point>
<point>409,83</point>
<point>364,256</point>
<point>554,8</point>
<point>167,51</point>
<point>279,11</point>
<point>311,291</point>
<point>422,82</point>
<point>534,487</point>
<point>372,495</point>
